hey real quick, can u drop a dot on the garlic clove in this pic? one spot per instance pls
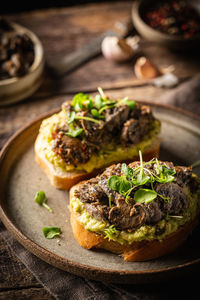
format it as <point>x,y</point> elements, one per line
<point>144,69</point>
<point>116,49</point>
<point>133,42</point>
<point>167,80</point>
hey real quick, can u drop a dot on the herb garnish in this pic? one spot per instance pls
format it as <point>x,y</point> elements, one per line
<point>119,184</point>
<point>144,195</point>
<point>95,107</point>
<point>51,232</point>
<point>110,231</point>
<point>130,103</point>
<point>97,114</point>
<point>41,199</point>
<point>74,132</point>
<point>141,176</point>
<point>110,201</point>
<point>81,101</point>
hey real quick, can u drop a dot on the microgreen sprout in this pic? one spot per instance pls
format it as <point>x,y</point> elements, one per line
<point>40,198</point>
<point>141,176</point>
<point>110,231</point>
<point>51,232</point>
<point>74,132</point>
<point>101,92</point>
<point>97,114</point>
<point>173,216</point>
<point>87,119</point>
<point>130,103</point>
<point>110,201</point>
<point>195,164</point>
<point>95,107</point>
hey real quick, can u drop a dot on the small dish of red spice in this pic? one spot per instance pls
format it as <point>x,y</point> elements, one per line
<point>178,18</point>
<point>172,23</point>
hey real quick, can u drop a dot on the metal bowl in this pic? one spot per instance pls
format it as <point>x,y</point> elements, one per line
<point>174,42</point>
<point>18,88</point>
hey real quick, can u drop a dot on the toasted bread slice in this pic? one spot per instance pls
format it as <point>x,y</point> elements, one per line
<point>137,251</point>
<point>65,180</point>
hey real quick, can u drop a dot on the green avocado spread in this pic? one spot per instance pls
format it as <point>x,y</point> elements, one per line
<point>169,224</point>
<point>107,155</point>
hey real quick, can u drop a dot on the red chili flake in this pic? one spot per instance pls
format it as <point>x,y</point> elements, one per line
<point>192,31</point>
<point>174,17</point>
<point>184,26</point>
<point>187,35</point>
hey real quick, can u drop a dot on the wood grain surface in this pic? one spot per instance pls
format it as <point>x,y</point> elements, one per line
<point>61,31</point>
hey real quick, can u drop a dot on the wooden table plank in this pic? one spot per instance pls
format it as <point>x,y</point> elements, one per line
<point>16,281</point>
<point>31,294</point>
<point>67,29</point>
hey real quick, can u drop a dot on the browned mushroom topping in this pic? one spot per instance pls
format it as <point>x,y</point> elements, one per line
<point>103,203</point>
<point>16,51</point>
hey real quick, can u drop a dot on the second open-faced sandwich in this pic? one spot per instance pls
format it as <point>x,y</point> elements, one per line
<point>141,211</point>
<point>89,134</point>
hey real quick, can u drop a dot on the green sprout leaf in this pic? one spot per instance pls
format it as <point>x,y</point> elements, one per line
<point>114,183</point>
<point>130,103</point>
<point>165,179</point>
<point>74,132</point>
<point>166,175</point>
<point>106,106</point>
<point>51,232</point>
<point>98,101</point>
<point>125,185</point>
<point>77,101</point>
<point>89,103</point>
<point>119,184</point>
<point>110,231</point>
<point>101,92</point>
<point>141,178</point>
<point>72,117</point>
<point>80,100</point>
<point>128,172</point>
<point>40,198</point>
<point>167,171</point>
<point>144,195</point>
<point>96,114</point>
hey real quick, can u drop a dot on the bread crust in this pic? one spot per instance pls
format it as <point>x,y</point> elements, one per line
<point>65,180</point>
<point>137,251</point>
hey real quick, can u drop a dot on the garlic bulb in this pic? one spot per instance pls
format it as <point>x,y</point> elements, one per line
<point>144,69</point>
<point>116,49</point>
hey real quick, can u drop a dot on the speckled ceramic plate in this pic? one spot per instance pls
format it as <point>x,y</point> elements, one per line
<point>21,178</point>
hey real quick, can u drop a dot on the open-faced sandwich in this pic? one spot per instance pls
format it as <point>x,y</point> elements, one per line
<point>89,134</point>
<point>141,211</point>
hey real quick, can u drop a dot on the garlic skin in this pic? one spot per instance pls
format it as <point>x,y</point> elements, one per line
<point>167,80</point>
<point>144,69</point>
<point>116,50</point>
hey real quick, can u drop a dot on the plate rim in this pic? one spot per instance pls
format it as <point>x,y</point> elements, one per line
<point>64,263</point>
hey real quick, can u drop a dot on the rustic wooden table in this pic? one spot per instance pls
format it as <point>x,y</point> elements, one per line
<point>62,31</point>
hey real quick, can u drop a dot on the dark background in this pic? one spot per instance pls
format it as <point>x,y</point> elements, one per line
<point>19,6</point>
